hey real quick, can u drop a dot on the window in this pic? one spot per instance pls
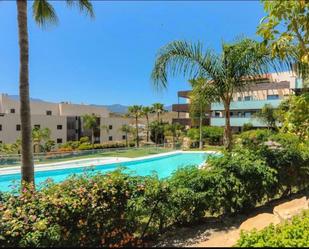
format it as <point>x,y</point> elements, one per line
<point>37,126</point>
<point>110,127</point>
<point>110,138</point>
<point>239,114</point>
<point>248,98</point>
<point>231,114</point>
<point>0,142</point>
<point>18,127</point>
<point>123,137</point>
<point>247,114</point>
<point>59,127</point>
<point>239,98</point>
<point>0,127</point>
<point>59,140</point>
<point>49,113</point>
<point>217,114</point>
<point>271,97</point>
<point>12,110</point>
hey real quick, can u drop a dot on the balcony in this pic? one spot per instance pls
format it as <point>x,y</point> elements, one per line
<point>238,122</point>
<point>180,108</point>
<point>246,105</point>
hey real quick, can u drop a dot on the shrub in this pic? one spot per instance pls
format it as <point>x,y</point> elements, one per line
<point>289,234</point>
<point>252,138</point>
<point>247,127</point>
<point>211,134</point>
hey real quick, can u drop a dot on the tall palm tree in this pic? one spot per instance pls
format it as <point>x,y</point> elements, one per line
<point>90,122</point>
<point>198,104</point>
<point>226,73</point>
<point>135,112</point>
<point>125,129</point>
<point>146,111</point>
<point>158,108</point>
<point>43,13</point>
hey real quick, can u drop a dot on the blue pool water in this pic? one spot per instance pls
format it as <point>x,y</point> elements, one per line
<point>164,166</point>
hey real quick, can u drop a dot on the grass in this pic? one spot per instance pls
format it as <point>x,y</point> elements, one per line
<point>131,153</point>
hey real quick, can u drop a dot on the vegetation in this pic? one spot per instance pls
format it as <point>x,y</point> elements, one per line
<point>136,112</point>
<point>38,136</point>
<point>198,104</point>
<point>285,30</point>
<point>126,129</point>
<point>146,111</point>
<point>232,71</point>
<point>289,234</point>
<point>90,122</point>
<point>157,132</point>
<point>43,13</point>
<point>174,131</point>
<point>158,109</point>
<point>211,135</point>
<point>268,116</point>
<point>117,209</point>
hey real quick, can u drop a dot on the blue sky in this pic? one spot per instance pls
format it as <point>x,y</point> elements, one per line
<point>108,60</point>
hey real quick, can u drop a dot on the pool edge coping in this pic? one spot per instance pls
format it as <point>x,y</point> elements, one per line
<point>94,162</point>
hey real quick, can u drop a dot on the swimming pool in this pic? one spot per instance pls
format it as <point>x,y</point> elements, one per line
<point>164,166</point>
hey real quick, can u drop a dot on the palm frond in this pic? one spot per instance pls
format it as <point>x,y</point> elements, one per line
<point>44,13</point>
<point>83,5</point>
<point>181,57</point>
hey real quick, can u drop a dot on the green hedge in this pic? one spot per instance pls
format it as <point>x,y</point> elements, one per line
<point>289,234</point>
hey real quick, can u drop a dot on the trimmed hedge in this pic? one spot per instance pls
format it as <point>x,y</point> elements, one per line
<point>289,234</point>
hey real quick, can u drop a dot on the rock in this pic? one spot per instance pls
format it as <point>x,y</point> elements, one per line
<point>259,222</point>
<point>288,209</point>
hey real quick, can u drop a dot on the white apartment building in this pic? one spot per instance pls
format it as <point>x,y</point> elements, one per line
<point>63,119</point>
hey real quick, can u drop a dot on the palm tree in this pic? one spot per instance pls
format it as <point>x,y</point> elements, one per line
<point>158,108</point>
<point>90,122</point>
<point>135,111</point>
<point>146,111</point>
<point>39,135</point>
<point>231,71</point>
<point>43,13</point>
<point>126,129</point>
<point>198,104</point>
<point>268,116</point>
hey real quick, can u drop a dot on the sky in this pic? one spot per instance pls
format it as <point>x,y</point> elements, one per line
<point>109,59</point>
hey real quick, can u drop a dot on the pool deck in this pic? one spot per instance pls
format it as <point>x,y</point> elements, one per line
<point>90,162</point>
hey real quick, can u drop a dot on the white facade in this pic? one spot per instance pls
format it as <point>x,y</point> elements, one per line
<point>56,117</point>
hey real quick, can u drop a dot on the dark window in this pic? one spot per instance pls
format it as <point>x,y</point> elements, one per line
<point>12,110</point>
<point>37,126</point>
<point>59,140</point>
<point>0,142</point>
<point>239,114</point>
<point>239,98</point>
<point>59,127</point>
<point>18,127</point>
<point>217,114</point>
<point>0,127</point>
<point>247,114</point>
<point>110,127</point>
<point>110,138</point>
<point>123,137</point>
<point>48,113</point>
<point>248,98</point>
<point>270,97</point>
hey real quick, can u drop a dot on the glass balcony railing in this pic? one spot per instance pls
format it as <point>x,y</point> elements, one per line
<point>246,105</point>
<point>238,122</point>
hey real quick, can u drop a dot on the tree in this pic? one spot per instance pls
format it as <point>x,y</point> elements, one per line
<point>285,30</point>
<point>173,130</point>
<point>157,132</point>
<point>126,129</point>
<point>90,122</point>
<point>268,116</point>
<point>135,112</point>
<point>39,136</point>
<point>158,108</point>
<point>146,111</point>
<point>232,71</point>
<point>43,13</point>
<point>294,115</point>
<point>198,104</point>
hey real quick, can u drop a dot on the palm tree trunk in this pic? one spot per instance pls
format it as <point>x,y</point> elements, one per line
<point>227,139</point>
<point>27,170</point>
<point>201,123</point>
<point>136,125</point>
<point>147,118</point>
<point>126,139</point>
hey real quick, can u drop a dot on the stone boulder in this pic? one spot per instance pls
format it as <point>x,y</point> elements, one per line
<point>259,222</point>
<point>288,209</point>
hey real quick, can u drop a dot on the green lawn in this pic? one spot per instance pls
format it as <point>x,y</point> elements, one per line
<point>132,153</point>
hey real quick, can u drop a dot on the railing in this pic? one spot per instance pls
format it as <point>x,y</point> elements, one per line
<point>246,105</point>
<point>15,159</point>
<point>238,122</point>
